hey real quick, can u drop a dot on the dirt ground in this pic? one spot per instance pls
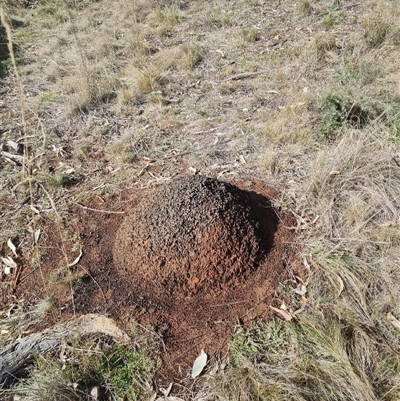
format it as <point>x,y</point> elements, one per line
<point>115,100</point>
<point>195,292</point>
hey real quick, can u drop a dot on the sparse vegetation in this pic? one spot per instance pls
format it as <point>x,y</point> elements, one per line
<point>303,94</point>
<point>5,60</point>
<point>330,352</point>
<point>86,370</point>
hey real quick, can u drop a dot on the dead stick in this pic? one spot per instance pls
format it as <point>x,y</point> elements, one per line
<point>98,210</point>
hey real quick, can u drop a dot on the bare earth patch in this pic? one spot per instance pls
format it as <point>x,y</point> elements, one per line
<point>191,259</point>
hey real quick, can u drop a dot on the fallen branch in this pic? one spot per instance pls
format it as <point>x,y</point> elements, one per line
<point>15,356</point>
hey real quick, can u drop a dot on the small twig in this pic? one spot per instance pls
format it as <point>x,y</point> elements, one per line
<point>17,276</point>
<point>208,131</point>
<point>28,274</point>
<point>346,7</point>
<point>245,75</point>
<point>24,137</point>
<point>343,7</point>
<point>98,210</point>
<point>21,183</point>
<point>10,157</point>
<point>141,172</point>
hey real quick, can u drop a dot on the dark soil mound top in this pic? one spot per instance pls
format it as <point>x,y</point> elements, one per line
<point>195,235</point>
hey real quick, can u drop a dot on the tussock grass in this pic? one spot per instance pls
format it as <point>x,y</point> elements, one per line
<point>380,27</point>
<point>153,76</point>
<point>360,165</point>
<point>343,345</point>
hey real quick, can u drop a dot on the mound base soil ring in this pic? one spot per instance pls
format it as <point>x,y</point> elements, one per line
<point>190,260</point>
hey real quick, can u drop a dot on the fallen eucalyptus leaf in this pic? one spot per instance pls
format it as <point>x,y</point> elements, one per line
<point>94,393</point>
<point>167,390</point>
<point>242,160</point>
<point>62,356</point>
<point>76,260</point>
<point>199,364</point>
<point>12,247</point>
<point>9,262</point>
<point>36,235</point>
<point>393,320</point>
<point>307,265</point>
<point>287,316</point>
<point>341,286</point>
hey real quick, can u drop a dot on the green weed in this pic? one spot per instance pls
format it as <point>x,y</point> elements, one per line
<point>339,109</point>
<point>330,20</point>
<point>260,341</point>
<point>85,148</point>
<point>5,66</point>
<point>117,373</point>
<point>5,59</point>
<point>45,10</point>
<point>62,16</point>
<point>47,98</point>
<point>57,180</point>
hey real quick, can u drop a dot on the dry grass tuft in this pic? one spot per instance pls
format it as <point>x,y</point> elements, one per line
<point>361,166</point>
<point>154,74</point>
<point>90,88</point>
<point>380,27</point>
<point>343,346</point>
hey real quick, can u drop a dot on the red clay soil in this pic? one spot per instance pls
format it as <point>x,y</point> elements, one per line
<point>195,238</point>
<point>191,258</point>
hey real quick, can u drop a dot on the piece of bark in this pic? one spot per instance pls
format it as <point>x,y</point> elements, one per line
<point>15,356</point>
